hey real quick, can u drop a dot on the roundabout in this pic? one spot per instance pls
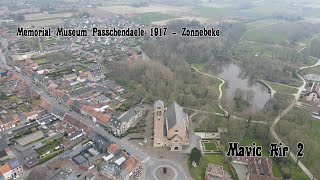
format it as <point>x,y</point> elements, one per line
<point>155,171</point>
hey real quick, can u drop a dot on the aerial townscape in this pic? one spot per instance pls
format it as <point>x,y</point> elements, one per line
<point>159,89</point>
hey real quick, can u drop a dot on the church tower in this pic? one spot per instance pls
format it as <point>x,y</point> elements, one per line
<point>158,124</point>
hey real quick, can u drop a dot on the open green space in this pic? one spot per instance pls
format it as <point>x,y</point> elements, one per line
<point>263,22</point>
<point>42,61</point>
<point>312,70</point>
<point>25,132</point>
<point>299,126</point>
<point>147,18</point>
<point>210,146</point>
<point>282,34</point>
<point>50,145</point>
<point>211,12</point>
<point>24,108</point>
<point>198,173</point>
<point>281,88</point>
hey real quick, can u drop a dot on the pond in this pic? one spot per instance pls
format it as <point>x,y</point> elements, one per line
<point>239,85</point>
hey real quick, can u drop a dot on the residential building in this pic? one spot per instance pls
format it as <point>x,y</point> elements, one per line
<point>6,171</point>
<point>5,151</point>
<point>313,95</point>
<point>215,172</point>
<point>258,167</point>
<point>8,123</point>
<point>171,126</point>
<point>16,167</point>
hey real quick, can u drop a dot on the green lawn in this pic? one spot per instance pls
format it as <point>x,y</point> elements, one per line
<point>50,145</point>
<point>200,67</point>
<point>211,12</point>
<point>263,22</point>
<point>301,127</point>
<point>313,70</point>
<point>14,99</point>
<point>210,146</point>
<point>24,108</point>
<point>280,88</point>
<point>42,61</point>
<point>147,18</point>
<point>198,173</point>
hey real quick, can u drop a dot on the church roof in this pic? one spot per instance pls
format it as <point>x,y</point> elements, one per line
<point>176,116</point>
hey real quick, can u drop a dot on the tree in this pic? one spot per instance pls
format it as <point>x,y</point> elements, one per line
<point>195,155</point>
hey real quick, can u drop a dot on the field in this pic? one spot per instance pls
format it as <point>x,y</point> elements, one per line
<point>280,88</point>
<point>41,23</point>
<point>212,12</point>
<point>126,9</point>
<point>147,18</point>
<point>42,16</point>
<point>281,34</point>
<point>210,146</point>
<point>313,70</point>
<point>263,22</point>
<point>299,126</point>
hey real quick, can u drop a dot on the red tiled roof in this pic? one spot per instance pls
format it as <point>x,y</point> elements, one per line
<point>5,168</point>
<point>130,164</point>
<point>99,116</point>
<point>113,148</point>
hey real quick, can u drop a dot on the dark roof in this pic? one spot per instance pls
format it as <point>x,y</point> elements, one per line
<point>115,122</point>
<point>3,153</point>
<point>131,113</point>
<point>14,163</point>
<point>3,144</point>
<point>102,142</point>
<point>65,98</point>
<point>176,116</point>
<point>57,112</point>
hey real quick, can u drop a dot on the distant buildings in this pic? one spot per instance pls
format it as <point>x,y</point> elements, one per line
<point>171,126</point>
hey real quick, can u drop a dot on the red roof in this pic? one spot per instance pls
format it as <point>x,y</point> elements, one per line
<point>113,148</point>
<point>5,168</point>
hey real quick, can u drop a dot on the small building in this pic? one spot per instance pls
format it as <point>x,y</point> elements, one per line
<point>215,172</point>
<point>6,171</point>
<point>16,167</point>
<point>313,95</point>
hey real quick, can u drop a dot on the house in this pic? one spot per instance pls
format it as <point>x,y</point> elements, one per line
<point>5,151</point>
<point>16,167</point>
<point>114,149</point>
<point>8,123</point>
<point>313,95</point>
<point>115,126</point>
<point>31,115</point>
<point>214,172</point>
<point>130,117</point>
<point>70,77</point>
<point>76,106</point>
<point>94,115</point>
<point>112,85</point>
<point>4,72</point>
<point>129,166</point>
<point>94,73</point>
<point>171,126</point>
<point>110,171</point>
<point>101,142</point>
<point>6,171</point>
<point>258,167</point>
<point>31,157</point>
